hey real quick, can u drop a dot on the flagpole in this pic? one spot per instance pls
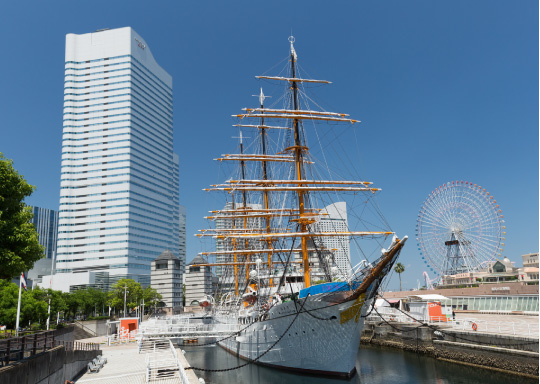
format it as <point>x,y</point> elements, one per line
<point>18,309</point>
<point>50,288</point>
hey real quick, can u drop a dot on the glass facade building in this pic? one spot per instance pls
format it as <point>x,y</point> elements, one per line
<point>119,206</point>
<point>502,304</point>
<point>46,223</point>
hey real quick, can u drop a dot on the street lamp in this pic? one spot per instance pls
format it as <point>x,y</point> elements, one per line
<point>125,298</point>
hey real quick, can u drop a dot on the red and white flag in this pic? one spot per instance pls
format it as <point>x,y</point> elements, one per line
<point>23,281</point>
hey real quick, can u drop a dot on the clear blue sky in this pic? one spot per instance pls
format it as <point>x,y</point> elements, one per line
<point>445,91</point>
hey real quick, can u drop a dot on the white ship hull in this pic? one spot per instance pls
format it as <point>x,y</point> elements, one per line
<point>318,341</point>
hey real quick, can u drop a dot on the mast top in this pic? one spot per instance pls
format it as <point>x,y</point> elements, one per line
<point>293,52</point>
<point>261,97</point>
<point>241,137</point>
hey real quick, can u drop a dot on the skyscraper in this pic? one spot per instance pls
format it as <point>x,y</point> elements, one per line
<point>335,220</point>
<point>119,205</point>
<point>46,223</point>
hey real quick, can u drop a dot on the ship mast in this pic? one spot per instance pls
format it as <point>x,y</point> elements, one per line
<point>265,177</point>
<point>244,202</point>
<point>302,215</point>
<point>298,154</point>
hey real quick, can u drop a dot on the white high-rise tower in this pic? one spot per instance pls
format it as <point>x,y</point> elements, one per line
<point>335,220</point>
<point>119,206</point>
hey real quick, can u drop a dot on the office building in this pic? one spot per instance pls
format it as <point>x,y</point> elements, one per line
<point>119,186</point>
<point>46,223</point>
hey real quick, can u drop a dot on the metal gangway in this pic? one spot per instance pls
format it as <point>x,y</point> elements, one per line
<point>162,363</point>
<point>186,327</point>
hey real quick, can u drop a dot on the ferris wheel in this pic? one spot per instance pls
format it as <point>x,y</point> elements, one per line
<point>460,226</point>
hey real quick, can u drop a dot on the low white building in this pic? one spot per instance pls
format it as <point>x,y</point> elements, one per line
<point>496,272</point>
<point>166,278</point>
<point>529,272</point>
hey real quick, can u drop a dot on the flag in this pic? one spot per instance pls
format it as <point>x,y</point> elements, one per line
<point>23,281</point>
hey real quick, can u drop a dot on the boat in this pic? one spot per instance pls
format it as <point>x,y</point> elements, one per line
<point>297,308</point>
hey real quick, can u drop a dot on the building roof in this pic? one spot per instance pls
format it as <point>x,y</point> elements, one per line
<point>198,260</point>
<point>167,255</point>
<point>506,261</point>
<point>428,297</point>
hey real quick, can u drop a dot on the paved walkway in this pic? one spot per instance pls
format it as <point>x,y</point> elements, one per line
<point>126,366</point>
<point>517,325</point>
<point>501,324</point>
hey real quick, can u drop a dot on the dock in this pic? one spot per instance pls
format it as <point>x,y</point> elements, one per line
<point>131,363</point>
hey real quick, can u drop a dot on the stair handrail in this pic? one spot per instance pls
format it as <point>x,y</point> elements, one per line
<point>84,327</point>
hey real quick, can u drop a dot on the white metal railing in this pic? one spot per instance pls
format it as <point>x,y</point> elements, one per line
<point>162,362</point>
<point>182,372</point>
<point>516,328</point>
<point>122,337</point>
<point>186,328</point>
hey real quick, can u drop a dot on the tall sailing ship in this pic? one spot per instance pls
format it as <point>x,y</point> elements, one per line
<point>298,307</point>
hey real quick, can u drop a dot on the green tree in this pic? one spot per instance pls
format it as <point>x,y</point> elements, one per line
<point>99,300</point>
<point>83,298</point>
<point>71,304</point>
<point>9,293</point>
<point>33,309</point>
<point>134,294</point>
<point>58,303</point>
<point>151,297</point>
<point>19,246</point>
<point>399,269</point>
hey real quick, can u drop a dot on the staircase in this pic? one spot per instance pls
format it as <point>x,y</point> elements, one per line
<point>82,332</point>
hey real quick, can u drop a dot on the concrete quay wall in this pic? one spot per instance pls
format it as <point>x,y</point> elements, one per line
<point>53,366</point>
<point>515,355</point>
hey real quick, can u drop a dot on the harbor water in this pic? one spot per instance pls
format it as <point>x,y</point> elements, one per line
<point>375,365</point>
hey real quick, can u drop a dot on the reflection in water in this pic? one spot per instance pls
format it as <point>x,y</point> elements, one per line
<point>375,365</point>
